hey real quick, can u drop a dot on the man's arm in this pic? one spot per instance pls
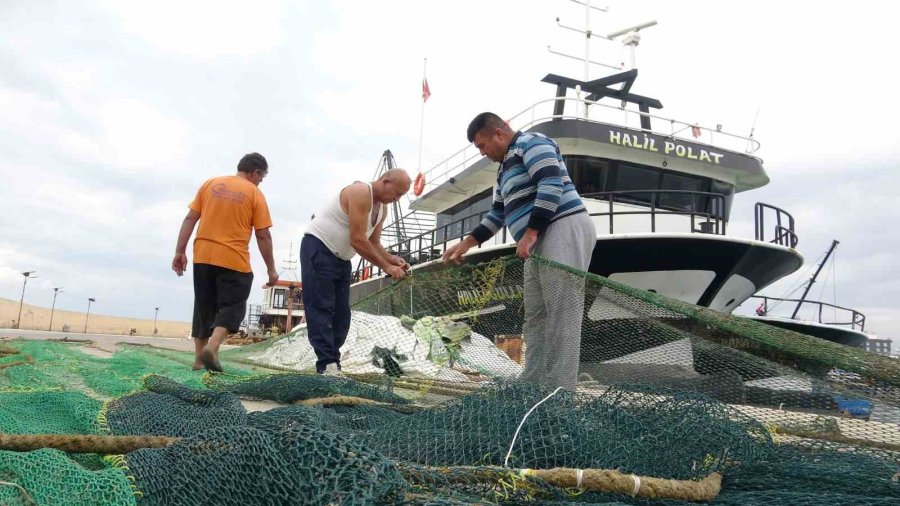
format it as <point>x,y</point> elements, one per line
<point>493,221</point>
<point>358,208</point>
<point>264,241</point>
<point>375,239</point>
<point>179,263</point>
<point>542,164</point>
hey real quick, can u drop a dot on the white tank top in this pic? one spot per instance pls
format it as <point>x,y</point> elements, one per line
<point>331,225</point>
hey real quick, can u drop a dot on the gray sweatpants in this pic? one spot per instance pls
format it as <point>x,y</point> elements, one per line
<point>554,303</point>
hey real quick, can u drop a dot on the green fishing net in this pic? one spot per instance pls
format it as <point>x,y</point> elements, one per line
<point>431,407</point>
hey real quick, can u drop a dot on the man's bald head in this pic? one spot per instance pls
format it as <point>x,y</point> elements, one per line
<point>399,175</point>
<point>392,185</point>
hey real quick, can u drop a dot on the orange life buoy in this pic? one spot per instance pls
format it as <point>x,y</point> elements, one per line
<point>419,185</point>
<point>366,273</point>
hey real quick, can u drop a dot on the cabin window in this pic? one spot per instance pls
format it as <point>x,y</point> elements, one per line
<point>470,223</point>
<point>683,202</point>
<point>278,299</point>
<point>725,189</point>
<point>588,173</point>
<point>484,204</point>
<point>463,217</point>
<point>439,233</point>
<point>455,230</point>
<point>592,174</point>
<point>631,177</point>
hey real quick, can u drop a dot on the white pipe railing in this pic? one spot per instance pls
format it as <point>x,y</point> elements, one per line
<point>444,170</point>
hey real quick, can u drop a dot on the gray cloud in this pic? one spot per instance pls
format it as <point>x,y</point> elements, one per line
<point>850,201</point>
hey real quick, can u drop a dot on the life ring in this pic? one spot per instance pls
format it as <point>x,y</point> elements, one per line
<point>419,185</point>
<point>366,272</point>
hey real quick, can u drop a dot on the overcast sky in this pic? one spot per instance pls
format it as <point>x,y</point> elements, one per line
<point>113,113</point>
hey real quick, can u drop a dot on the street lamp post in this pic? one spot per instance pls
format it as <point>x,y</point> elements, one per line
<point>56,291</point>
<point>26,274</point>
<point>90,299</point>
<point>154,319</point>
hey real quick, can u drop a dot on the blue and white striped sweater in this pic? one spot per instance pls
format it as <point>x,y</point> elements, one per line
<point>533,189</point>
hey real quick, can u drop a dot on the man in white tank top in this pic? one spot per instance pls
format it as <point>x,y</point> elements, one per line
<point>347,225</point>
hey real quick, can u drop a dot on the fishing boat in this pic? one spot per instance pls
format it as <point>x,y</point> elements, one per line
<point>660,192</point>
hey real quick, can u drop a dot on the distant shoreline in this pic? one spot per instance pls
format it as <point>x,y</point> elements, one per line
<point>38,318</point>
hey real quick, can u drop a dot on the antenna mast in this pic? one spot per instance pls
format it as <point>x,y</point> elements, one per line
<point>632,39</point>
<point>290,266</point>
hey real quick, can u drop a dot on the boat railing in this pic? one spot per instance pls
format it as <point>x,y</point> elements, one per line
<point>431,245</point>
<point>783,232</point>
<point>534,114</point>
<point>709,221</point>
<point>423,247</point>
<point>852,318</point>
<point>282,306</point>
<point>274,306</point>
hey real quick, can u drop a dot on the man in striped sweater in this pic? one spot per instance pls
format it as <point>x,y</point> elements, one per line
<point>535,198</point>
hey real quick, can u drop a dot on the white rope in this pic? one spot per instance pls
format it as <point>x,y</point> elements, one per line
<point>516,435</point>
<point>637,485</point>
<point>22,491</point>
<point>580,477</point>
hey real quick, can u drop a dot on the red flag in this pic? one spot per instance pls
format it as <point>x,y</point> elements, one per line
<point>695,131</point>
<point>426,91</point>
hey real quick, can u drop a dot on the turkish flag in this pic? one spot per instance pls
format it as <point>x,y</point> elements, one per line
<point>426,91</point>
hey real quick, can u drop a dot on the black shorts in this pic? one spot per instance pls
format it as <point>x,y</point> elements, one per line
<point>220,299</point>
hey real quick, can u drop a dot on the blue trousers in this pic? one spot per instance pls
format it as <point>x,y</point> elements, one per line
<point>326,300</point>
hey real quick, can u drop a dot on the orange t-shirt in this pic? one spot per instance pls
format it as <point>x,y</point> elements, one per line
<point>230,207</point>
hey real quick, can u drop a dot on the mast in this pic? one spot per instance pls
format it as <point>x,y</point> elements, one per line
<point>812,280</point>
<point>631,39</point>
<point>395,218</point>
<point>289,270</point>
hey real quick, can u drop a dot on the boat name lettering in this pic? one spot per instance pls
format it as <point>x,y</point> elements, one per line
<point>472,297</point>
<point>648,143</point>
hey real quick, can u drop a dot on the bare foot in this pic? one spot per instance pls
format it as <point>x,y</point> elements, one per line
<point>211,360</point>
<point>197,365</point>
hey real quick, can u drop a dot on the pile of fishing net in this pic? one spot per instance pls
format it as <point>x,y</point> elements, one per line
<point>675,404</point>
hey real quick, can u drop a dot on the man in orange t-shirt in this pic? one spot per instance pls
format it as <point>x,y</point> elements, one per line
<point>228,208</point>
